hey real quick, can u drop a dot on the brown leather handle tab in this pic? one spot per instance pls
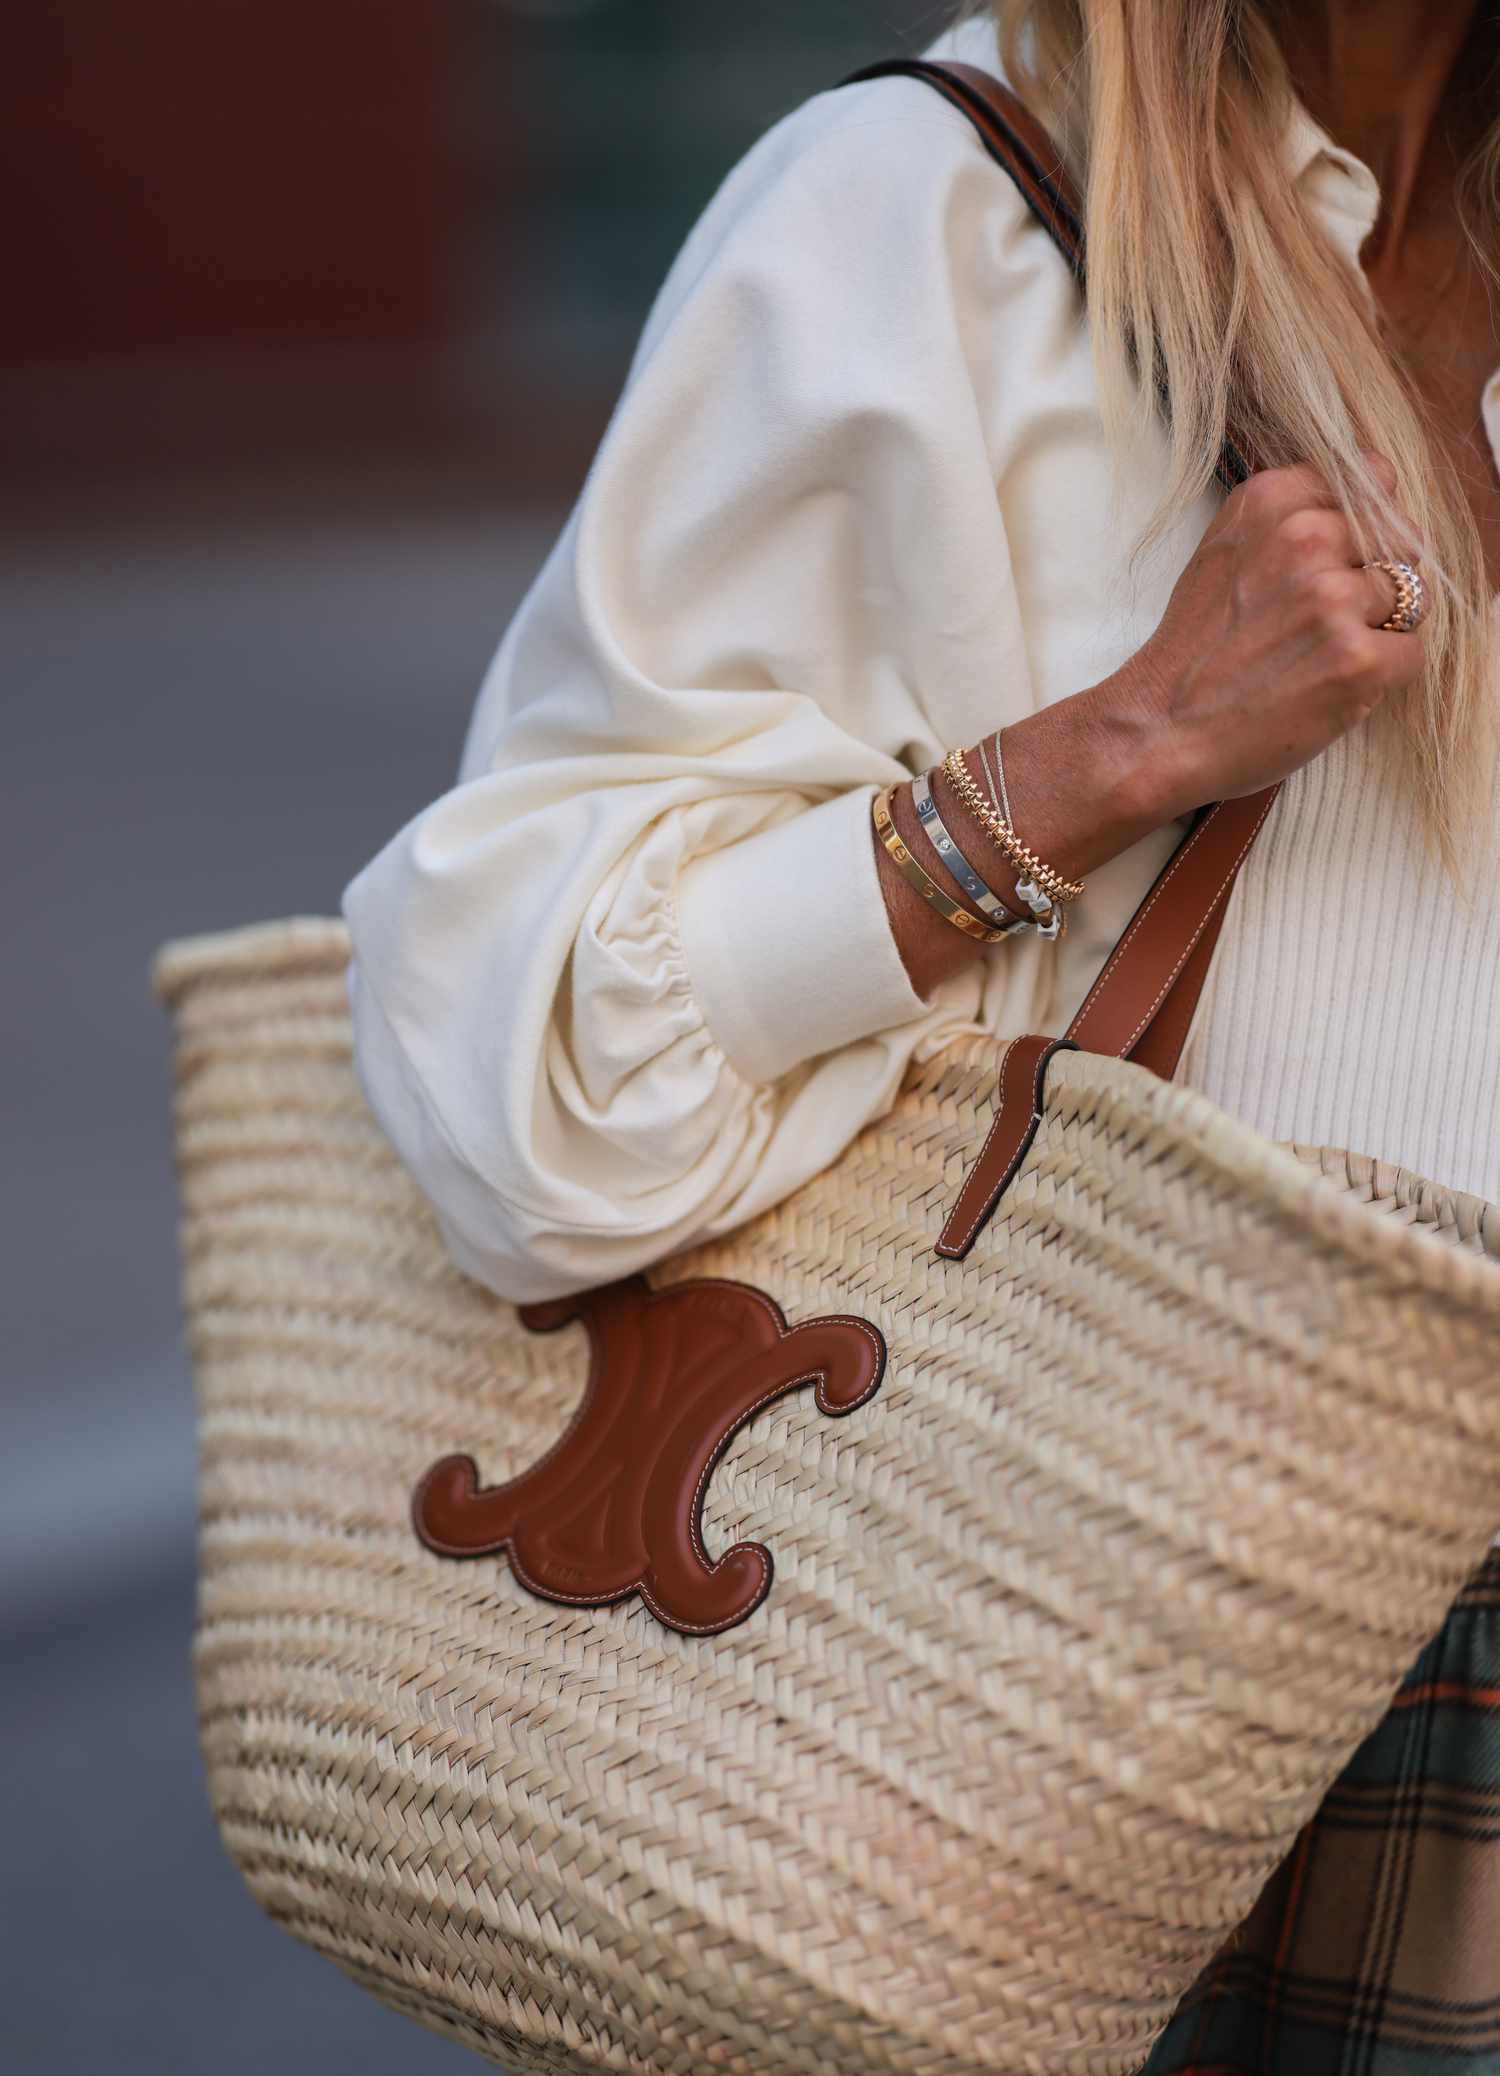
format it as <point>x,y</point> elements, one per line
<point>1018,1112</point>
<point>1140,1006</point>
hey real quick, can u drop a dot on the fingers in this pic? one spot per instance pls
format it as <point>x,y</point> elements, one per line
<point>1300,484</point>
<point>1298,503</point>
<point>1384,468</point>
<point>1270,494</point>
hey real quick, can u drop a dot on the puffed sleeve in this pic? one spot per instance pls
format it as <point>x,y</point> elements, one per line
<point>632,980</point>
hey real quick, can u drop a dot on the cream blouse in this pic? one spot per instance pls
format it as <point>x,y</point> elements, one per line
<point>631,980</point>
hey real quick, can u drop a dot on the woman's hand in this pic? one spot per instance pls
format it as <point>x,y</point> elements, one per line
<point>1270,648</point>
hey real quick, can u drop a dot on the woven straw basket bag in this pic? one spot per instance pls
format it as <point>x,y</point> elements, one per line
<point>900,1637</point>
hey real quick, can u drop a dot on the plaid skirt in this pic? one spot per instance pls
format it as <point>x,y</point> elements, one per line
<point>1374,1949</point>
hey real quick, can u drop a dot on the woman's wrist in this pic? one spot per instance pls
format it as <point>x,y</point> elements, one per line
<point>1089,776</point>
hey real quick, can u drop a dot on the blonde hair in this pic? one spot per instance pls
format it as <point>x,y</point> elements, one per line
<point>1206,265</point>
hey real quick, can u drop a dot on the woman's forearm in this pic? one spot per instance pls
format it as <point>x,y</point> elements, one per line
<point>1084,786</point>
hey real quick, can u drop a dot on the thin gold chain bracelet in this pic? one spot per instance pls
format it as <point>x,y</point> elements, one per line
<point>922,881</point>
<point>1025,860</point>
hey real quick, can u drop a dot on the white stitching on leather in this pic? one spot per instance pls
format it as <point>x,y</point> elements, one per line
<point>1109,971</point>
<point>1115,956</point>
<point>784,1332</point>
<point>1170,982</point>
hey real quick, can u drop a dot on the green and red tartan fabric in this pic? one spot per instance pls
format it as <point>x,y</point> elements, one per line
<point>1374,1950</point>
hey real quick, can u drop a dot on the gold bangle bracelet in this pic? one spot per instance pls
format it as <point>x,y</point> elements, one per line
<point>1051,883</point>
<point>924,884</point>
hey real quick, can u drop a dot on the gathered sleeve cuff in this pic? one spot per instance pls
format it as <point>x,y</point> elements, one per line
<point>787,943</point>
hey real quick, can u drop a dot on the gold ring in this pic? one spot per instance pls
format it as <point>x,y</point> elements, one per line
<point>1410,609</point>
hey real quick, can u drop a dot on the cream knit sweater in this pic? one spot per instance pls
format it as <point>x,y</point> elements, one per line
<point>631,981</point>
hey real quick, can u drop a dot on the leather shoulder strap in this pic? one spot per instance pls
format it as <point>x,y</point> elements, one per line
<point>1142,1003</point>
<point>1011,135</point>
<point>1018,142</point>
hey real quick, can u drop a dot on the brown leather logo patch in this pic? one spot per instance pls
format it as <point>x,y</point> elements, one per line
<point>617,1506</point>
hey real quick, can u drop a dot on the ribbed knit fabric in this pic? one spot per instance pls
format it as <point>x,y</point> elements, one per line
<point>1353,1001</point>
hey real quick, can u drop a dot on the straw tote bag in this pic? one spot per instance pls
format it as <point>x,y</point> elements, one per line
<point>901,1636</point>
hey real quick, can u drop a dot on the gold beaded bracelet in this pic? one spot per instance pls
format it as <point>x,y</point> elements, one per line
<point>1026,861</point>
<point>925,885</point>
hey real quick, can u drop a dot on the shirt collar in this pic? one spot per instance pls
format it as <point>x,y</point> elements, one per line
<point>1339,187</point>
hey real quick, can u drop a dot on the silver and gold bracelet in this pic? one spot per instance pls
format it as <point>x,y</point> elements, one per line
<point>936,831</point>
<point>917,877</point>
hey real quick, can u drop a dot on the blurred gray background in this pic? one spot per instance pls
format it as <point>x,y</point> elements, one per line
<point>316,313</point>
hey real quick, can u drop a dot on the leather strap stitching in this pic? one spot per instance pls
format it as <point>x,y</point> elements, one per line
<point>1167,985</point>
<point>1109,970</point>
<point>1180,857</point>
